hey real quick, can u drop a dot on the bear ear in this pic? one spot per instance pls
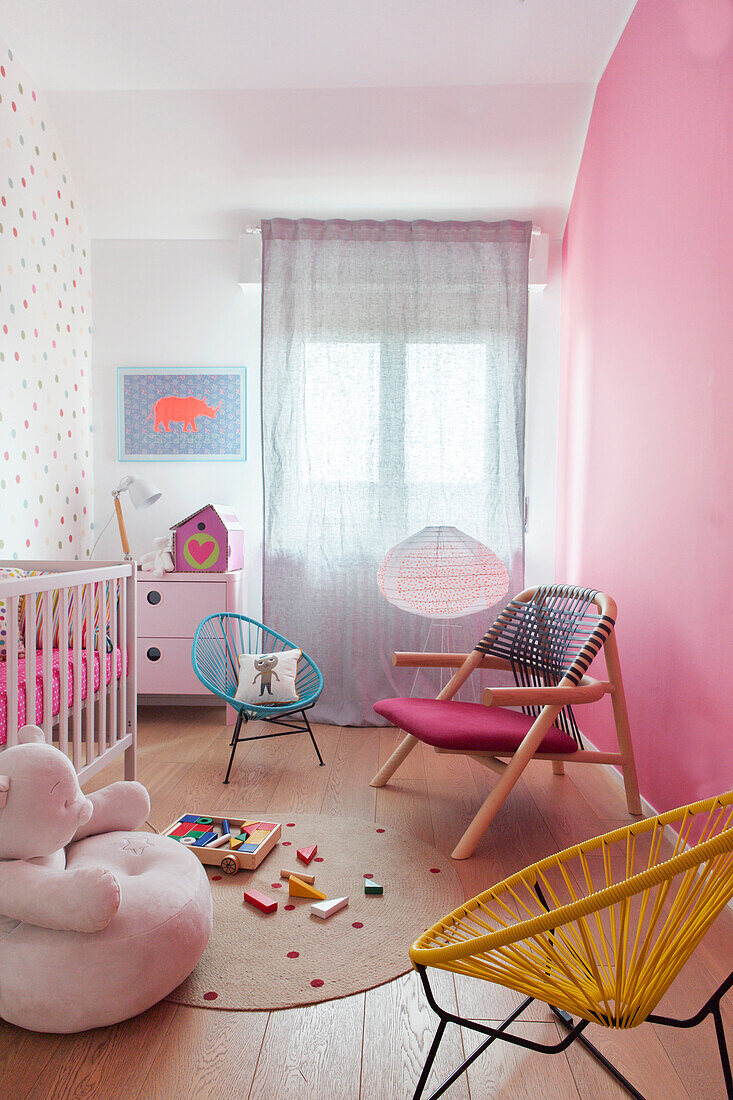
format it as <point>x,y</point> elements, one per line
<point>4,789</point>
<point>30,735</point>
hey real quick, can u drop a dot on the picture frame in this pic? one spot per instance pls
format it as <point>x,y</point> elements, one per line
<point>191,414</point>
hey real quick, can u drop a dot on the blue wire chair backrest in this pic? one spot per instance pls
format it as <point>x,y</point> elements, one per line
<point>221,638</point>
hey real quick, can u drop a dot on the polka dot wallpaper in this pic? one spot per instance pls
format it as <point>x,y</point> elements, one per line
<point>45,335</point>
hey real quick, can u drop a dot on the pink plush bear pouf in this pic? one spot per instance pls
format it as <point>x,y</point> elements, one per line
<point>97,922</point>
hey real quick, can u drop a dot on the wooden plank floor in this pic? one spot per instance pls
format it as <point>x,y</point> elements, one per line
<point>370,1046</point>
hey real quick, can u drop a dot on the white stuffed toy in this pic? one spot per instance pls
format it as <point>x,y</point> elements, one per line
<point>159,560</point>
<point>96,923</point>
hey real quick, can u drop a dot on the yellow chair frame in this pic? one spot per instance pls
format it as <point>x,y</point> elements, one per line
<point>558,613</point>
<point>598,931</point>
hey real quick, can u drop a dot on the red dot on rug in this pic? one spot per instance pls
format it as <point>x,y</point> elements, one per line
<point>316,983</point>
<point>293,954</point>
<point>368,876</point>
<point>286,843</point>
<point>288,907</point>
<point>357,924</point>
<point>318,859</point>
<point>210,996</point>
<point>290,825</point>
<point>276,885</point>
<point>215,878</point>
<point>435,870</point>
<point>381,830</point>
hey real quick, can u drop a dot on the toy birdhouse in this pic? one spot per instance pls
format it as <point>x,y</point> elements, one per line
<point>210,540</point>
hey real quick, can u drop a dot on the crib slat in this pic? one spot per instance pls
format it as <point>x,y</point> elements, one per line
<point>77,658</point>
<point>131,673</point>
<point>123,647</point>
<point>12,671</point>
<point>89,654</point>
<point>64,670</point>
<point>30,626</point>
<point>113,684</point>
<point>102,595</point>
<point>48,666</point>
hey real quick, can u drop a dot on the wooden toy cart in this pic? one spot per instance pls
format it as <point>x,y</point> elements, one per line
<point>231,843</point>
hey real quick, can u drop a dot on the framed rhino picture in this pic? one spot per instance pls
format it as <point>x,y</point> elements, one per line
<point>182,413</point>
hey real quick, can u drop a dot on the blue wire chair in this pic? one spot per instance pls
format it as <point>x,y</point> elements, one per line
<point>217,643</point>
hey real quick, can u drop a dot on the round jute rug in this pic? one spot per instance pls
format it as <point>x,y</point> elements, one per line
<point>290,957</point>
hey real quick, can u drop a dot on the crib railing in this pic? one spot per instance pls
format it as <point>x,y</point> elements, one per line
<point>94,730</point>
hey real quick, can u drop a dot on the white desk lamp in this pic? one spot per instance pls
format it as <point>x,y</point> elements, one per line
<point>142,494</point>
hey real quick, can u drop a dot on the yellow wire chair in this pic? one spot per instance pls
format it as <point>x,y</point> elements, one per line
<point>547,636</point>
<point>598,932</point>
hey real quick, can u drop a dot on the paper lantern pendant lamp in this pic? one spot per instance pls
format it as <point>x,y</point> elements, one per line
<point>442,572</point>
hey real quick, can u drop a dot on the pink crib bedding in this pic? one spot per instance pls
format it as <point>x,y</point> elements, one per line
<point>56,693</point>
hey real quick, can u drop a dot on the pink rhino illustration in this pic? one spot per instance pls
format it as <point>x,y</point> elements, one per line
<point>180,410</point>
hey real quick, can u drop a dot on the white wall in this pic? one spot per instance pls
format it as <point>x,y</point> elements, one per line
<point>174,304</point>
<point>178,304</point>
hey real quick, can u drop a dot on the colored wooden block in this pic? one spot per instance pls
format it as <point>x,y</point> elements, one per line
<point>249,847</point>
<point>260,901</point>
<point>225,827</point>
<point>303,877</point>
<point>243,836</point>
<point>197,832</point>
<point>299,889</point>
<point>257,837</point>
<point>372,887</point>
<point>182,830</point>
<point>219,841</point>
<point>235,842</point>
<point>189,817</point>
<point>327,908</point>
<point>204,839</point>
<point>305,855</point>
<point>267,826</point>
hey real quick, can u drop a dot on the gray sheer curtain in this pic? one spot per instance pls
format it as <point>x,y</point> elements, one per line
<point>393,393</point>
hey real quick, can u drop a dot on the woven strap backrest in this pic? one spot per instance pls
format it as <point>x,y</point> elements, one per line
<point>553,636</point>
<point>222,638</point>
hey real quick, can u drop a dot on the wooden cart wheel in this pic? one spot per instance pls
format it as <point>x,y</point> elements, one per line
<point>230,865</point>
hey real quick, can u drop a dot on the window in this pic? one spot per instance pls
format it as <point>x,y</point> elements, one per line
<point>437,415</point>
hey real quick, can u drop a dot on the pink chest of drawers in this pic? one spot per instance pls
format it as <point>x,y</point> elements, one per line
<point>169,609</point>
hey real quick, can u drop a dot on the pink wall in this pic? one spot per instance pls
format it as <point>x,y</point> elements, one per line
<point>646,454</point>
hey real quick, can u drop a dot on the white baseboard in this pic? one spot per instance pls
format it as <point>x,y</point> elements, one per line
<point>649,810</point>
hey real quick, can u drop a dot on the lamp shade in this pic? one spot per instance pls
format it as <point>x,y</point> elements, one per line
<point>143,493</point>
<point>441,572</point>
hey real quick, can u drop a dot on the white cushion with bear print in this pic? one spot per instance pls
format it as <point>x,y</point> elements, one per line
<point>268,679</point>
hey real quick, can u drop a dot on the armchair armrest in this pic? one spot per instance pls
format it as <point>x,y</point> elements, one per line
<point>587,691</point>
<point>444,660</point>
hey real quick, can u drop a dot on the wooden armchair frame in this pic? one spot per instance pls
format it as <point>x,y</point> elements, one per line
<point>558,649</point>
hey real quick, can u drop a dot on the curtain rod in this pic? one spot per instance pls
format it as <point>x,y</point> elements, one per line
<point>536,231</point>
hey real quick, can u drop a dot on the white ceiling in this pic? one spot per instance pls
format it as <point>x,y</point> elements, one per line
<point>185,118</point>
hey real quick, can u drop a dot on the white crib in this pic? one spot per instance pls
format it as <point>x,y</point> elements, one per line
<point>84,691</point>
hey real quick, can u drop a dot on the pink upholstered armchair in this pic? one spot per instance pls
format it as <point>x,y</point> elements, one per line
<point>547,637</point>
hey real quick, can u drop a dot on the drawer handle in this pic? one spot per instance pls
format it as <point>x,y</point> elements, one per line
<point>153,653</point>
<point>154,597</point>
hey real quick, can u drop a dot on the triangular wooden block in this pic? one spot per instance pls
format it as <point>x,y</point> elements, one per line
<point>235,843</point>
<point>324,909</point>
<point>305,855</point>
<point>300,889</point>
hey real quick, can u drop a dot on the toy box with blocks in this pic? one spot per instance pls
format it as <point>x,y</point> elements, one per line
<point>234,844</point>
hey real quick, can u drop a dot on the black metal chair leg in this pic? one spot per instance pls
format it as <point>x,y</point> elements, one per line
<point>234,742</point>
<point>567,1021</point>
<point>723,1048</point>
<point>429,1061</point>
<point>310,731</point>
